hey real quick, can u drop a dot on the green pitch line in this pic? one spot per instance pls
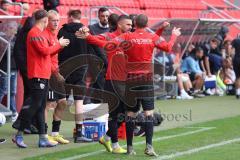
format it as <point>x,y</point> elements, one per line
<point>226,152</point>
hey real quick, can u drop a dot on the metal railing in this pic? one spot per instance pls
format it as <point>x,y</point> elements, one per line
<point>231,4</point>
<point>221,13</point>
<point>8,43</point>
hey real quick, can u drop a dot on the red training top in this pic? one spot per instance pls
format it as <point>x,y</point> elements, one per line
<point>52,40</point>
<point>116,69</point>
<point>141,52</point>
<point>39,54</point>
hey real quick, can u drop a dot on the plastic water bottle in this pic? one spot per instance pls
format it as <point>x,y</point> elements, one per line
<point>70,101</point>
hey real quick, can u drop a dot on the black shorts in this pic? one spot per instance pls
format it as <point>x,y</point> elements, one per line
<point>192,76</point>
<point>117,112</point>
<point>139,92</point>
<point>78,78</point>
<point>53,96</point>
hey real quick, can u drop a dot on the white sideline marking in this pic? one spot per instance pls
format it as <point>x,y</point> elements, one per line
<point>195,150</point>
<point>200,129</point>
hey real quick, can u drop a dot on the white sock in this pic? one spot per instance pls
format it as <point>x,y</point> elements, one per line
<point>107,138</point>
<point>196,91</point>
<point>183,91</point>
<point>238,91</point>
<point>55,133</point>
<point>115,145</point>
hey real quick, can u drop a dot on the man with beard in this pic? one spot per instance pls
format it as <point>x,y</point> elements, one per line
<point>102,26</point>
<point>115,75</point>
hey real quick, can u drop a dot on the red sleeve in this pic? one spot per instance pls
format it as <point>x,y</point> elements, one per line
<point>100,36</point>
<point>54,66</point>
<point>40,43</point>
<point>103,43</point>
<point>159,31</point>
<point>100,42</point>
<point>160,43</point>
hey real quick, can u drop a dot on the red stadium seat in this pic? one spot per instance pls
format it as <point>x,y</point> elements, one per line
<point>233,13</point>
<point>191,14</point>
<point>217,3</point>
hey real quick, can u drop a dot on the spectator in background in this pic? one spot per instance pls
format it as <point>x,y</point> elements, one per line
<point>183,79</point>
<point>226,74</point>
<point>51,4</point>
<point>212,59</point>
<point>227,50</point>
<point>190,47</point>
<point>99,28</point>
<point>4,5</point>
<point>221,36</point>
<point>112,22</point>
<point>236,65</point>
<point>26,8</point>
<point>190,65</point>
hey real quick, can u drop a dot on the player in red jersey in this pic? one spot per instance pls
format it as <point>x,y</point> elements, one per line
<point>51,34</point>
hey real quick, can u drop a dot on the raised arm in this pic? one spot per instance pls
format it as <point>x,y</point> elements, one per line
<point>161,28</point>
<point>160,43</point>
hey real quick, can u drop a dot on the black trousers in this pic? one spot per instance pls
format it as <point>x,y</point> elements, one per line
<point>27,87</point>
<point>39,91</point>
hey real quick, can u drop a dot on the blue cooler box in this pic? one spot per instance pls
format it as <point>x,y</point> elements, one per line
<point>94,130</point>
<point>210,82</point>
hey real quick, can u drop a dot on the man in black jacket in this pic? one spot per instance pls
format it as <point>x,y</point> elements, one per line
<point>20,57</point>
<point>77,47</point>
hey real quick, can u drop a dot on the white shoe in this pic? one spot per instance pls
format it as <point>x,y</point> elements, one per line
<point>14,117</point>
<point>219,92</point>
<point>185,96</point>
<point>209,91</point>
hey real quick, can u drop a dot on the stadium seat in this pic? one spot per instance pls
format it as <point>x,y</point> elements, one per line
<point>190,14</point>
<point>217,3</point>
<point>233,13</point>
